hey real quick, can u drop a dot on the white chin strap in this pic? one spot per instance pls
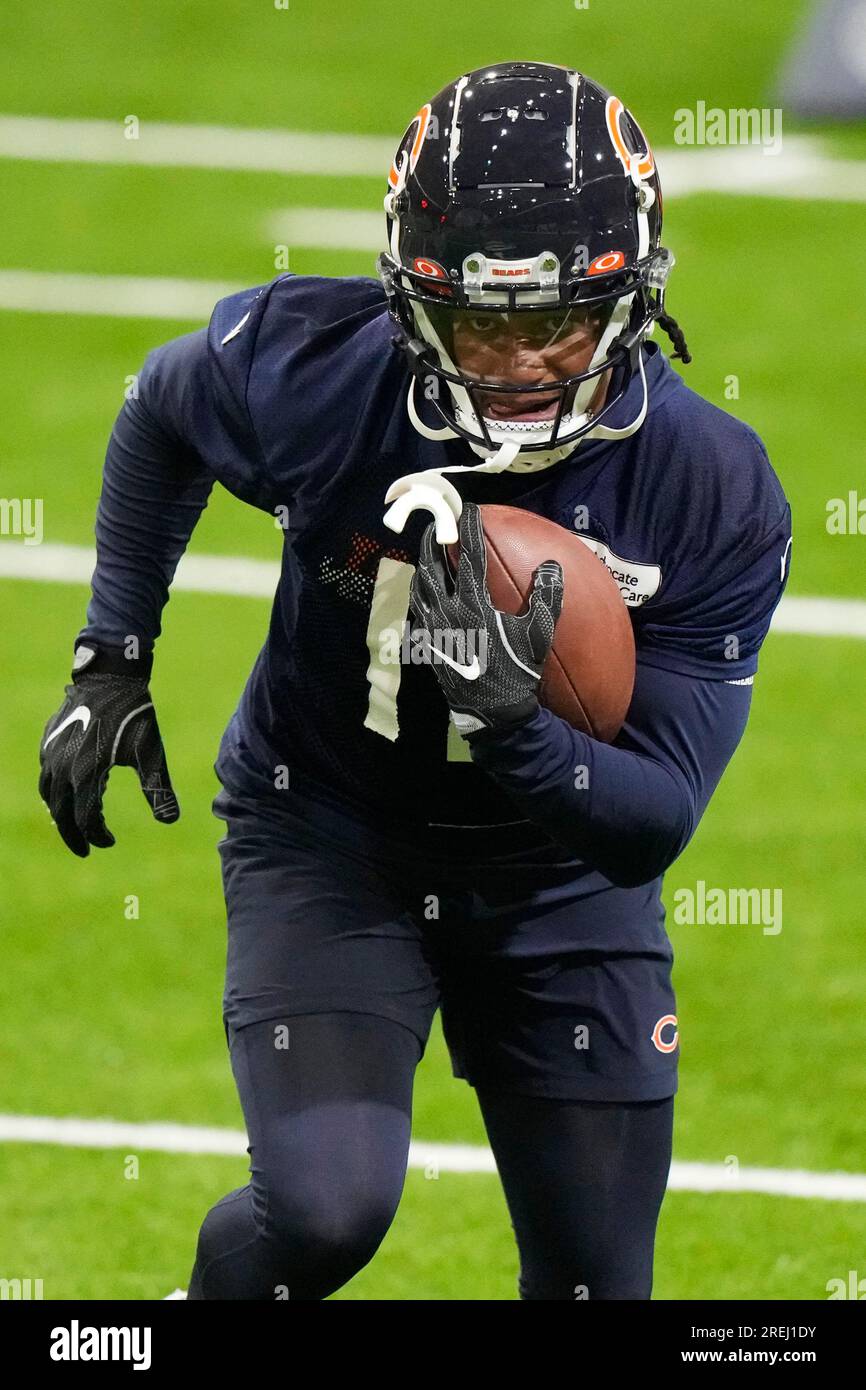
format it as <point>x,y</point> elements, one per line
<point>445,432</point>
<point>431,490</point>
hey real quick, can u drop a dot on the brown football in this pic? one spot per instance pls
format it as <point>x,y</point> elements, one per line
<point>589,674</point>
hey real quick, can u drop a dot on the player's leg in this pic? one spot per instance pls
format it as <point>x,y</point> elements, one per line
<point>327,1102</point>
<point>329,998</point>
<point>584,1183</point>
<point>573,1052</point>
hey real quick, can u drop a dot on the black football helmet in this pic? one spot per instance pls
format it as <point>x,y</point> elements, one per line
<point>524,187</point>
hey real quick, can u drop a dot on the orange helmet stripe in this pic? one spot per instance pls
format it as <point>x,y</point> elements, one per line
<point>613,114</point>
<point>423,119</point>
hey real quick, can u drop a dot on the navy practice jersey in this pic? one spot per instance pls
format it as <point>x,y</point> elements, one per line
<point>294,399</point>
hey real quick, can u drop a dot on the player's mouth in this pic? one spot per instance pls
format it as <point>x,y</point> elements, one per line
<point>527,408</point>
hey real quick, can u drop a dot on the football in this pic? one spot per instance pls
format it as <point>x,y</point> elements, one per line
<point>588,677</point>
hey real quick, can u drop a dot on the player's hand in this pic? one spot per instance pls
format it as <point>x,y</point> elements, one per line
<point>488,663</point>
<point>107,720</point>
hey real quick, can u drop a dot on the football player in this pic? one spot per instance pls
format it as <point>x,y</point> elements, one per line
<point>382,859</point>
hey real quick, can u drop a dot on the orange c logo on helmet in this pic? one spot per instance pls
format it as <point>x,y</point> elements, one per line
<point>425,267</point>
<point>397,177</point>
<point>613,114</point>
<point>603,265</point>
<point>666,1021</point>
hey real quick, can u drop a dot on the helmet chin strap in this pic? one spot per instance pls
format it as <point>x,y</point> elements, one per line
<point>431,490</point>
<point>445,433</point>
<point>608,431</point>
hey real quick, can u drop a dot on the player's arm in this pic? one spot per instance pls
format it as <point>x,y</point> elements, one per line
<point>628,809</point>
<point>154,490</point>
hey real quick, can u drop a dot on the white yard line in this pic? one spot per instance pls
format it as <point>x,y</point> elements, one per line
<point>430,1158</point>
<point>65,141</point>
<point>803,168</point>
<point>112,296</point>
<point>232,574</point>
<point>821,617</point>
<point>331,229</point>
<point>206,574</point>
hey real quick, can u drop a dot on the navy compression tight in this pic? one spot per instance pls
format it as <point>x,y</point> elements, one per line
<point>327,1102</point>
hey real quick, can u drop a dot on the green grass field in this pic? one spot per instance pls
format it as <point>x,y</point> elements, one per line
<point>110,1018</point>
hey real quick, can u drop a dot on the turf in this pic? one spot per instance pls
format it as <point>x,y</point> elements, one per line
<point>107,1016</point>
<point>357,65</point>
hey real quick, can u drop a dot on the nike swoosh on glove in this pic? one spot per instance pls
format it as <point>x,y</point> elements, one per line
<point>107,720</point>
<point>497,687</point>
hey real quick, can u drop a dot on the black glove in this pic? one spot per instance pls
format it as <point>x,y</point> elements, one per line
<point>489,662</point>
<point>107,719</point>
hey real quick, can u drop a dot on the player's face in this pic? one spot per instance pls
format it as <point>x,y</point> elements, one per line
<point>528,347</point>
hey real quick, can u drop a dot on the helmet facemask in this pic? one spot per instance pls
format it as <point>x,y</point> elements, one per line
<point>621,312</point>
<point>476,399</point>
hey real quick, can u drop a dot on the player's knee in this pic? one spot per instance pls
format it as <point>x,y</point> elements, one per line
<point>329,1230</point>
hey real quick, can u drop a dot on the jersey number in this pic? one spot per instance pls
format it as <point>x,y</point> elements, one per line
<point>389,616</point>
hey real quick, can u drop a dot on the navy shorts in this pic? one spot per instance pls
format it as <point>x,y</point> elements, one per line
<point>328,914</point>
